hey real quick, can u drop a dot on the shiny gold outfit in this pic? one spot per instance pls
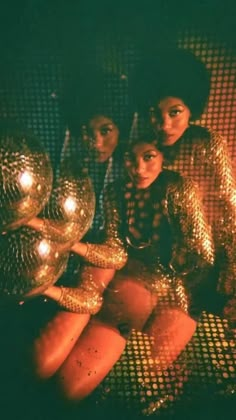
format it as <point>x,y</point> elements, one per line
<point>201,155</point>
<point>197,239</point>
<point>86,299</point>
<point>176,223</point>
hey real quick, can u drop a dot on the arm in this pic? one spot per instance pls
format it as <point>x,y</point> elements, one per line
<point>111,253</point>
<point>109,256</point>
<point>87,297</point>
<point>193,244</point>
<point>217,153</point>
<point>192,249</point>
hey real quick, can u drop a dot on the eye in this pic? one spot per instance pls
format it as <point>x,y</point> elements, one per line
<point>148,156</point>
<point>175,112</point>
<point>106,130</point>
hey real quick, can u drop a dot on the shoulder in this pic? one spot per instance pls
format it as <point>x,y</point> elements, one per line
<point>178,185</point>
<point>197,132</point>
<point>216,138</point>
<point>171,178</point>
<point>200,133</point>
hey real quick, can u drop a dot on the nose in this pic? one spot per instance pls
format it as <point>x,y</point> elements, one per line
<point>97,140</point>
<point>165,123</point>
<point>139,167</point>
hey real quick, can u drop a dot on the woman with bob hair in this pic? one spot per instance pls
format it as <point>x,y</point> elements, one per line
<point>158,241</point>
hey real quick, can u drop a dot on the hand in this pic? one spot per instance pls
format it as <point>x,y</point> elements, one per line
<point>80,248</point>
<point>53,292</point>
<point>36,223</point>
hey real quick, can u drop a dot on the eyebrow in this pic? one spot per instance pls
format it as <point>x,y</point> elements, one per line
<point>151,150</point>
<point>131,154</point>
<point>173,106</point>
<point>105,125</point>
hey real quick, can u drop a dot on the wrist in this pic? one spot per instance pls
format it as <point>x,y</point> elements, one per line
<point>80,248</point>
<point>86,249</point>
<point>54,292</point>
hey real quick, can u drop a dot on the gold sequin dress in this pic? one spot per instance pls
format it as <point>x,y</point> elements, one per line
<point>164,229</point>
<point>202,155</point>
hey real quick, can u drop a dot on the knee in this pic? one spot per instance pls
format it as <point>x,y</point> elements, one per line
<point>73,388</point>
<point>55,343</point>
<point>77,385</point>
<point>90,362</point>
<point>171,331</point>
<point>43,367</point>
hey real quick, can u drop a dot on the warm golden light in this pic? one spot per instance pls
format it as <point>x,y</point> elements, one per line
<point>70,205</point>
<point>44,248</point>
<point>26,180</point>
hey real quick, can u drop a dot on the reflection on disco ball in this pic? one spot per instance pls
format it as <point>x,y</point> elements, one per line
<point>25,177</point>
<point>29,263</point>
<point>70,209</point>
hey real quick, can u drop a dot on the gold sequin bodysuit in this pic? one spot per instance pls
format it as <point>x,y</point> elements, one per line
<point>202,156</point>
<point>169,219</point>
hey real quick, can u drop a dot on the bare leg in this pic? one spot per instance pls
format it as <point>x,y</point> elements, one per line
<point>59,336</point>
<point>93,356</point>
<point>127,305</point>
<point>171,330</point>
<point>56,341</point>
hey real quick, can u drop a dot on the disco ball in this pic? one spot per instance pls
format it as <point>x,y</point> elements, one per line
<point>25,177</point>
<point>70,210</point>
<point>29,263</point>
<point>31,260</point>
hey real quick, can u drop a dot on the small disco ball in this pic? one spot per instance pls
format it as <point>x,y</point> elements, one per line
<point>25,176</point>
<point>29,263</point>
<point>70,210</point>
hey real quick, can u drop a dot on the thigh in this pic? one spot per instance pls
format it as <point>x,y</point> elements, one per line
<point>91,359</point>
<point>55,341</point>
<point>58,336</point>
<point>170,330</point>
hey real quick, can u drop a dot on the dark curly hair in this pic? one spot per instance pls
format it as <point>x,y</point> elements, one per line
<point>85,96</point>
<point>170,72</point>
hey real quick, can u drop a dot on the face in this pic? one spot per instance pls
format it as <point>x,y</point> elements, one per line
<point>144,164</point>
<point>102,137</point>
<point>170,118</point>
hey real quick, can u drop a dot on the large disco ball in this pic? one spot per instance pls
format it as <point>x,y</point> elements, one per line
<point>31,260</point>
<point>70,210</point>
<point>25,176</point>
<point>29,263</point>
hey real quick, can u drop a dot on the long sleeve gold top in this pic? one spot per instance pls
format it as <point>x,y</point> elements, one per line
<point>112,252</point>
<point>202,156</point>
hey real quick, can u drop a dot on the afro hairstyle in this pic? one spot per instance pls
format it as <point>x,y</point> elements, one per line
<point>170,72</point>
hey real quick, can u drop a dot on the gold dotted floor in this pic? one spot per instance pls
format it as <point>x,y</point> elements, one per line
<point>200,385</point>
<point>207,366</point>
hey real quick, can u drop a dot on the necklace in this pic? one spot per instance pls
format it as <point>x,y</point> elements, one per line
<point>141,245</point>
<point>106,181</point>
<point>138,218</point>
